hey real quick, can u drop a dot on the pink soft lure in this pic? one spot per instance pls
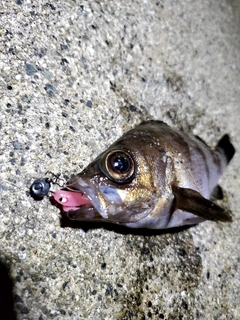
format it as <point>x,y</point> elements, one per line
<point>70,200</point>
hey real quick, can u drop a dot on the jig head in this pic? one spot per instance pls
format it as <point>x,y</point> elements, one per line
<point>40,188</point>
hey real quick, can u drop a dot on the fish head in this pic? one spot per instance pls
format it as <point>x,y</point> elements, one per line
<point>123,184</point>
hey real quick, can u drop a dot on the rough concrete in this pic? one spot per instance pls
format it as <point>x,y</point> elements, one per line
<point>74,75</point>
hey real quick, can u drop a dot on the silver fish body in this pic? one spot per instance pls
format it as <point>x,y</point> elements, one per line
<point>153,177</point>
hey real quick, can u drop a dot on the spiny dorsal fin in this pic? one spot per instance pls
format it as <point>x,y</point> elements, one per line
<point>192,201</point>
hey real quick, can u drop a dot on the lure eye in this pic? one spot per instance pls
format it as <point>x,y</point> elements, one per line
<point>118,165</point>
<point>40,188</point>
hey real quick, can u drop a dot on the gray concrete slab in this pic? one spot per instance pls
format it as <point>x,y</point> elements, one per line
<point>75,75</point>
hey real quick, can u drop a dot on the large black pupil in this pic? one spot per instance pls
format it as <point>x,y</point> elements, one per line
<point>121,164</point>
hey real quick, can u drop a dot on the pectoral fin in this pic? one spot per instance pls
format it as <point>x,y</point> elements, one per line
<point>192,201</point>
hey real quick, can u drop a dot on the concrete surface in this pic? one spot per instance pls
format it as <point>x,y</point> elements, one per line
<point>75,75</point>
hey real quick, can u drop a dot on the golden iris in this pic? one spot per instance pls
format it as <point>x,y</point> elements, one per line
<point>118,165</point>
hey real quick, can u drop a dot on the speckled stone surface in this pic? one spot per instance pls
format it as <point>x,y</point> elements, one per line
<point>75,75</point>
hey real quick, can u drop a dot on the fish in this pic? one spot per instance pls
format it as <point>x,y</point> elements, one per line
<point>154,177</point>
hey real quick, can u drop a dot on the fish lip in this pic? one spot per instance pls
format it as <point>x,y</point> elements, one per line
<point>78,184</point>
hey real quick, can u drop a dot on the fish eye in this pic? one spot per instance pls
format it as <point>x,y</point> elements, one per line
<point>118,165</point>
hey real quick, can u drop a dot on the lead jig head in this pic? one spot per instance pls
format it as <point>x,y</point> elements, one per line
<point>40,188</point>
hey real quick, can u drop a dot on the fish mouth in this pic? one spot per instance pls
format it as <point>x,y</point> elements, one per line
<point>87,189</point>
<point>82,200</point>
<point>75,205</point>
<point>86,199</point>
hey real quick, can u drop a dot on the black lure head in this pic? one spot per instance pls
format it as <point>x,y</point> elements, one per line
<point>40,188</point>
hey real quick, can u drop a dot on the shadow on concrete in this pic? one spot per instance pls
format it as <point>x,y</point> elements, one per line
<point>86,226</point>
<point>6,294</point>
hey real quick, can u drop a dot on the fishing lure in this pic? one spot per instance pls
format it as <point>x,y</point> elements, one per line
<point>40,188</point>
